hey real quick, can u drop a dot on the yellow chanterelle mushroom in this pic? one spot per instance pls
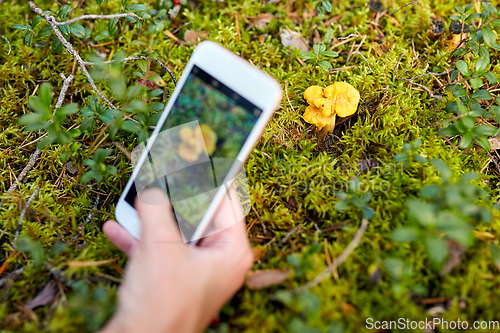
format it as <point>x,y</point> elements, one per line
<point>192,143</point>
<point>339,99</point>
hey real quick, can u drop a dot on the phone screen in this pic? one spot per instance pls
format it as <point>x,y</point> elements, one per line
<point>196,147</point>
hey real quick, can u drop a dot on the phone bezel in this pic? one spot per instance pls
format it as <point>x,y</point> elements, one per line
<point>244,79</point>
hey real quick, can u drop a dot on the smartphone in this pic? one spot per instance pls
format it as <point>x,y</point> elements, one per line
<point>211,123</point>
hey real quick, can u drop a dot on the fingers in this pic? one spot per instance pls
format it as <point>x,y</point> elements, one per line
<point>158,224</point>
<point>229,223</point>
<point>119,236</point>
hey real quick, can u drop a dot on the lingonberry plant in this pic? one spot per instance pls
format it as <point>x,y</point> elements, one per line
<point>474,105</point>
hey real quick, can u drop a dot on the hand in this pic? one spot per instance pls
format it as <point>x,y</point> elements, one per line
<point>170,286</point>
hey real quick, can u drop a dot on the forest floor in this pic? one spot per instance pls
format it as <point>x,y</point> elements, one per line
<point>383,216</point>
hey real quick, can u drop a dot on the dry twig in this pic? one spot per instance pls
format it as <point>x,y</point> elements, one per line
<point>87,220</point>
<point>362,56</point>
<point>102,17</point>
<point>338,261</point>
<point>11,275</point>
<point>51,20</point>
<point>4,38</point>
<point>348,36</point>
<point>165,67</point>
<point>421,86</point>
<point>23,213</point>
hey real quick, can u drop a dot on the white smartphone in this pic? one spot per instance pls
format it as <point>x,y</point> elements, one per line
<point>211,123</point>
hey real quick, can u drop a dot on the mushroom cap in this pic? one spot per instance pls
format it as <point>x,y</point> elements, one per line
<point>313,92</point>
<point>313,116</point>
<point>345,98</point>
<point>325,106</point>
<point>189,152</point>
<point>456,27</point>
<point>192,142</point>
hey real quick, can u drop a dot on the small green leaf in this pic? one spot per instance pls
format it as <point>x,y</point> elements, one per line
<point>496,22</point>
<point>368,212</point>
<point>28,40</point>
<point>430,191</point>
<point>476,82</point>
<point>495,253</point>
<point>34,248</point>
<point>436,248</point>
<point>20,27</point>
<point>45,94</point>
<point>327,5</point>
<point>35,22</point>
<point>473,16</point>
<point>325,65</point>
<point>483,142</point>
<point>45,31</point>
<point>329,35</point>
<point>488,35</point>
<point>484,130</point>
<point>404,234</point>
<point>131,126</point>
<point>453,75</point>
<point>482,94</point>
<point>319,48</point>
<point>308,55</point>
<point>77,30</point>
<point>491,77</point>
<point>462,67</point>
<point>136,7</point>
<point>332,54</point>
<point>482,63</point>
<point>465,141</point>
<point>421,211</point>
<point>442,168</point>
<point>64,11</point>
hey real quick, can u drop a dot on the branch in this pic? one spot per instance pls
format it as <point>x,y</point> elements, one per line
<point>362,56</point>
<point>102,17</point>
<point>36,154</point>
<point>348,36</point>
<point>23,213</point>
<point>51,20</point>
<point>3,37</point>
<point>337,262</point>
<point>87,220</point>
<point>138,58</point>
<point>398,9</point>
<point>11,275</point>
<point>421,86</point>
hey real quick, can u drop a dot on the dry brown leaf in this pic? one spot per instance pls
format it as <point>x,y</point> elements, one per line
<point>456,252</point>
<point>257,253</point>
<point>294,40</point>
<point>266,278</point>
<point>348,308</point>
<point>43,297</point>
<point>90,263</point>
<point>71,168</point>
<point>191,36</point>
<point>494,143</point>
<point>484,236</point>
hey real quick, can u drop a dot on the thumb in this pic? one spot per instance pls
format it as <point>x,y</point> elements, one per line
<point>158,224</point>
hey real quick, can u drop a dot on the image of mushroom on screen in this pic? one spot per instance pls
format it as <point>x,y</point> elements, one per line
<point>198,144</point>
